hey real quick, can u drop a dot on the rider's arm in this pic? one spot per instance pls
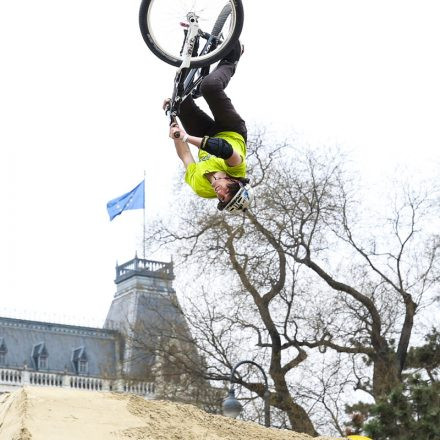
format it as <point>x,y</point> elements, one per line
<point>183,152</point>
<point>182,148</point>
<point>217,147</point>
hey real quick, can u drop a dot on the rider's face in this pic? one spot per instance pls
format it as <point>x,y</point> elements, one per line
<point>221,189</point>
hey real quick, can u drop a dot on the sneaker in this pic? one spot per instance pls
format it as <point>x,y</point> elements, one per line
<point>234,55</point>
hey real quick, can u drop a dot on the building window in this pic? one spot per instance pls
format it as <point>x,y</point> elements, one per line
<point>42,363</point>
<point>3,351</point>
<point>80,360</point>
<point>40,356</point>
<point>82,367</point>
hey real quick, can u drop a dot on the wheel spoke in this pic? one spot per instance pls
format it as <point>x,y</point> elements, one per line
<point>164,34</point>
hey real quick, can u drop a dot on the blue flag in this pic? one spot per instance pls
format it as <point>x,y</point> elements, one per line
<point>131,200</point>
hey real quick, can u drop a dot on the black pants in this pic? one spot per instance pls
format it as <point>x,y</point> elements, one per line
<point>197,123</point>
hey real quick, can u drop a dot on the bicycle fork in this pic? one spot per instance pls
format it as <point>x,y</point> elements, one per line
<point>191,39</point>
<point>188,48</point>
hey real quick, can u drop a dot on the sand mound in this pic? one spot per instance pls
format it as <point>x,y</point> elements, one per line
<point>35,413</point>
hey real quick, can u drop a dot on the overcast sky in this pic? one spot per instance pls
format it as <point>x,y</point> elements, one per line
<point>81,119</point>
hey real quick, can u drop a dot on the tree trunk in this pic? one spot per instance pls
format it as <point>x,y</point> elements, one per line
<point>386,374</point>
<point>299,419</point>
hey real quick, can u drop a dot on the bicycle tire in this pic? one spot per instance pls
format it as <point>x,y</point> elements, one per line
<point>151,40</point>
<point>221,20</point>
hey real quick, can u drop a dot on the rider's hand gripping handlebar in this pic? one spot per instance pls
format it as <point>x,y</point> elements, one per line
<point>177,133</point>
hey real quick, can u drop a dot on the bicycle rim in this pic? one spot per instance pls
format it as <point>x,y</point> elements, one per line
<point>161,25</point>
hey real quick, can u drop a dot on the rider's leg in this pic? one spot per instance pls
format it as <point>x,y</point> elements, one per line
<point>195,121</point>
<point>234,55</point>
<point>225,116</point>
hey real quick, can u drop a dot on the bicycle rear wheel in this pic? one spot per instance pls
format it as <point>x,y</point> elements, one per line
<point>161,27</point>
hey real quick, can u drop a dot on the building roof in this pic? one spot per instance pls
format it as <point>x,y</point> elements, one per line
<point>24,340</point>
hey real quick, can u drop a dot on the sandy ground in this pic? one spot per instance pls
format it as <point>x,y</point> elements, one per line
<point>37,413</point>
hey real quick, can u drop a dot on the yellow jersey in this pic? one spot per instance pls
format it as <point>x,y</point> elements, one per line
<point>195,175</point>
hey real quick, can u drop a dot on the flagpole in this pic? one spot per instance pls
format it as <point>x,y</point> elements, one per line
<point>143,238</point>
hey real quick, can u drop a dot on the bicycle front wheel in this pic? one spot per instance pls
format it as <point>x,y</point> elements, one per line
<point>163,22</point>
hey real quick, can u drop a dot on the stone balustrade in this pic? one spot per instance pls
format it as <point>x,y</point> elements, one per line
<point>140,388</point>
<point>140,266</point>
<point>11,378</point>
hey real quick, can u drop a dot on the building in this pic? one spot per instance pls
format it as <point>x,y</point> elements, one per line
<point>118,357</point>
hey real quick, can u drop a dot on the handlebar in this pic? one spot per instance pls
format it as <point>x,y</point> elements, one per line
<point>173,120</point>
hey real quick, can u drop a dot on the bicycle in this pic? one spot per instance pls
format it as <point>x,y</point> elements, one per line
<point>160,20</point>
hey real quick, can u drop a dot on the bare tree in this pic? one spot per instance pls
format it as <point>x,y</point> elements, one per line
<point>305,270</point>
<point>391,267</point>
<point>159,348</point>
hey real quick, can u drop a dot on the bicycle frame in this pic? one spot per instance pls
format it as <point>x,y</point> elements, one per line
<point>185,81</point>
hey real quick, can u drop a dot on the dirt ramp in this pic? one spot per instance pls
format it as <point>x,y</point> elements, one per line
<point>13,410</point>
<point>35,413</point>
